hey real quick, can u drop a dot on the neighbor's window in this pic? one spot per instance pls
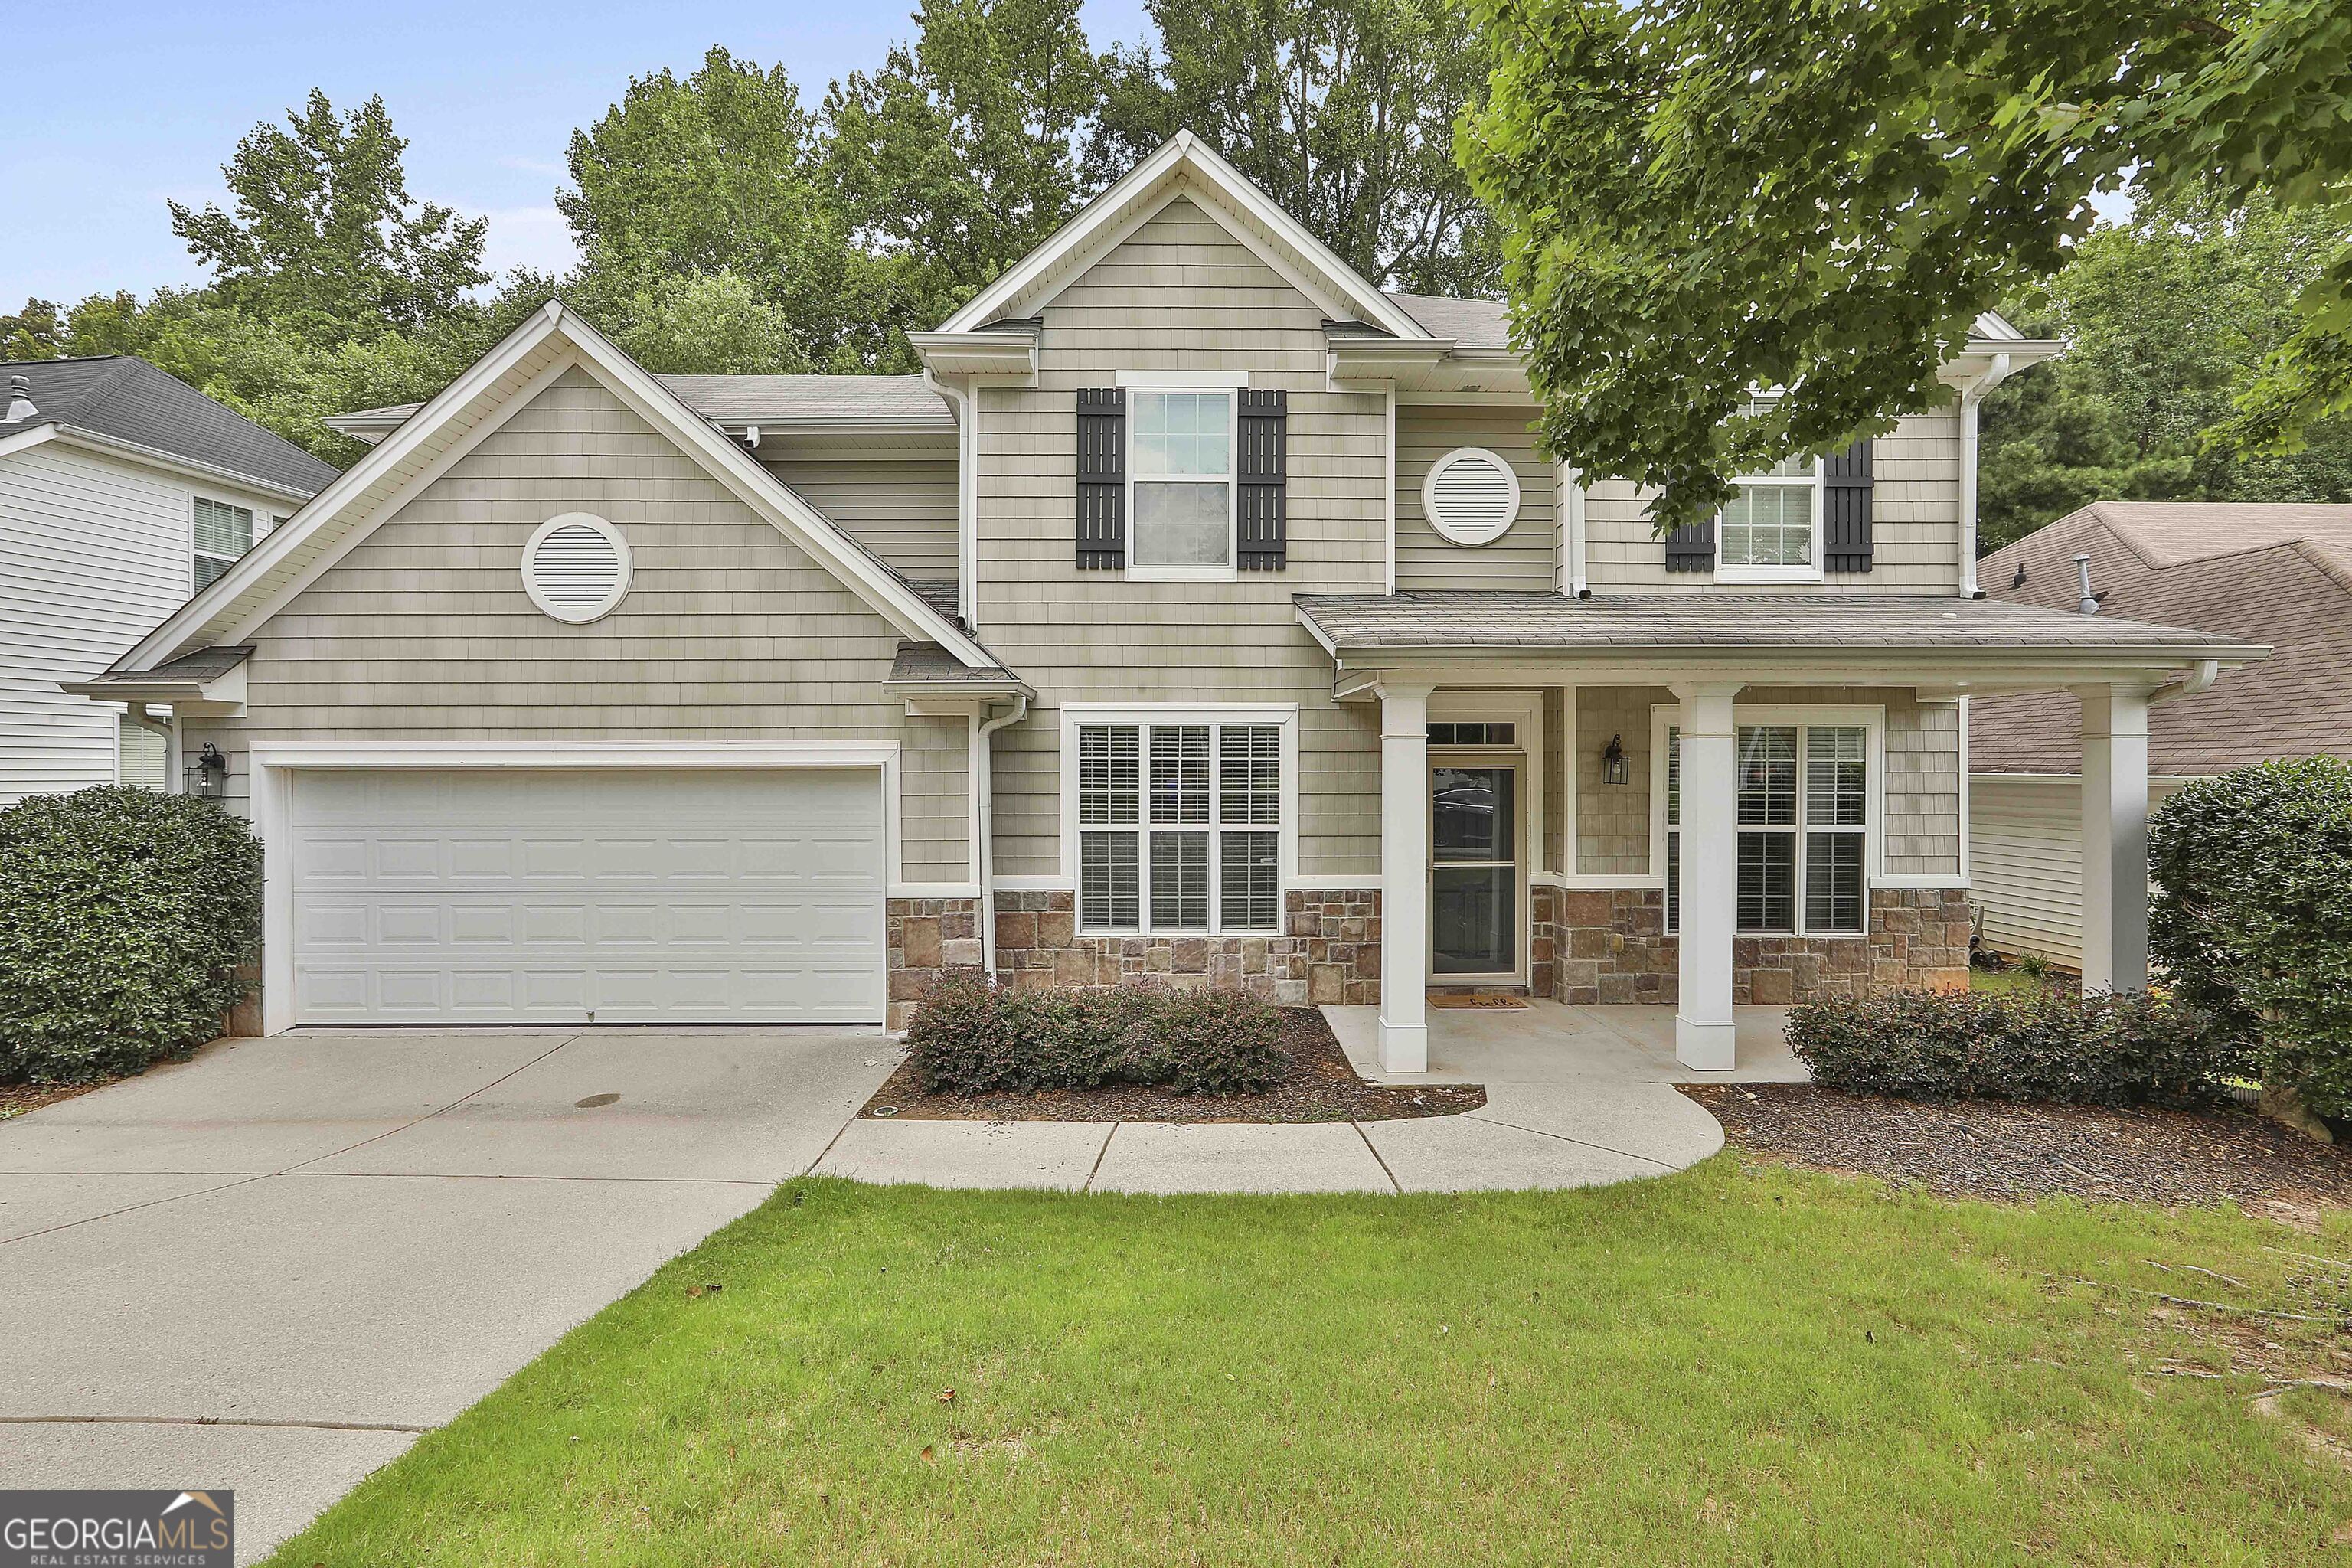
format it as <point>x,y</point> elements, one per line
<point>1769,525</point>
<point>1804,829</point>
<point>1181,464</point>
<point>224,532</point>
<point>1180,828</point>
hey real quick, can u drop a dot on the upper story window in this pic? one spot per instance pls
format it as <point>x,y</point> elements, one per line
<point>1772,531</point>
<point>1181,482</point>
<point>224,532</point>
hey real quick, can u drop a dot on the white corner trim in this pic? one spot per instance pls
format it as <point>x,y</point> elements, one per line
<point>1388,499</point>
<point>1571,521</point>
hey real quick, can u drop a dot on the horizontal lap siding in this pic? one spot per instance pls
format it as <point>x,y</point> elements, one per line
<point>904,510</point>
<point>2025,861</point>
<point>728,631</point>
<point>1915,524</point>
<point>1179,294</point>
<point>1523,559</point>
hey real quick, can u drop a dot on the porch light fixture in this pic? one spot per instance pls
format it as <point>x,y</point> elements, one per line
<point>208,774</point>
<point>1614,769</point>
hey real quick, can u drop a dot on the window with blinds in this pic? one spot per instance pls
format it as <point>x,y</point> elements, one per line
<point>1180,828</point>
<point>1804,808</point>
<point>222,532</point>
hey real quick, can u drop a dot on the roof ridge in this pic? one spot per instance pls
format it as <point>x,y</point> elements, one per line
<point>2336,572</point>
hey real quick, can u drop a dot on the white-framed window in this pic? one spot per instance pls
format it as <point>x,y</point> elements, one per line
<point>1180,821</point>
<point>1771,532</point>
<point>222,532</point>
<point>1181,440</point>
<point>1804,791</point>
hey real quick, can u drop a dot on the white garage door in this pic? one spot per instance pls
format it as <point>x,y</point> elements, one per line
<point>449,896</point>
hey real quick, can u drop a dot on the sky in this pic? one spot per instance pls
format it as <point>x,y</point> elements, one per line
<point>108,122</point>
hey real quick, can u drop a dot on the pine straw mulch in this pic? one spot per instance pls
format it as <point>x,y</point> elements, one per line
<point>1321,1086</point>
<point>1993,1149</point>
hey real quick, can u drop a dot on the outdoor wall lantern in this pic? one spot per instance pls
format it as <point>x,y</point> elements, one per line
<point>1614,767</point>
<point>208,774</point>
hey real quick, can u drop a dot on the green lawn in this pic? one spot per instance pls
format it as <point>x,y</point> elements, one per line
<point>1741,1363</point>
<point>2011,981</point>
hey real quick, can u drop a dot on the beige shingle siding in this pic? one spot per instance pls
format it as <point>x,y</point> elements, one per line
<point>1525,557</point>
<point>1915,524</point>
<point>1179,294</point>
<point>904,510</point>
<point>1612,821</point>
<point>728,631</point>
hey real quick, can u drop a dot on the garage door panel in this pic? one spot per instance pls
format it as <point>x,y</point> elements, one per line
<point>499,897</point>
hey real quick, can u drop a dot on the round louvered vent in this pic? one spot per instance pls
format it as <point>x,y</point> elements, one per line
<point>576,567</point>
<point>1471,496</point>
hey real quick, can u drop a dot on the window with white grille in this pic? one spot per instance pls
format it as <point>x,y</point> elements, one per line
<point>222,532</point>
<point>1179,827</point>
<point>576,567</point>
<point>1471,496</point>
<point>1803,811</point>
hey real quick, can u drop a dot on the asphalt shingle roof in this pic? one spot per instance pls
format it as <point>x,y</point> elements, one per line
<point>785,399</point>
<point>1465,619</point>
<point>2270,573</point>
<point>124,397</point>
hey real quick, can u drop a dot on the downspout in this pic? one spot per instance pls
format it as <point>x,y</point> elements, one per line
<point>170,731</point>
<point>983,740</point>
<point>965,405</point>
<point>1571,481</point>
<point>2200,679</point>
<point>1971,397</point>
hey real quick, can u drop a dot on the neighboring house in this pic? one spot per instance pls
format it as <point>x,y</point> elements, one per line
<point>2274,574</point>
<point>1201,611</point>
<point>122,490</point>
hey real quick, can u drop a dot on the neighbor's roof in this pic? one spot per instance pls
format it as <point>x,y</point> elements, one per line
<point>1369,622</point>
<point>122,397</point>
<point>783,400</point>
<point>2275,573</point>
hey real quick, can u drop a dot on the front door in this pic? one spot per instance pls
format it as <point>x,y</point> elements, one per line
<point>1474,875</point>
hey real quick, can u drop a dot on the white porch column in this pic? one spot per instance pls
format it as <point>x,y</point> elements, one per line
<point>2114,837</point>
<point>1404,875</point>
<point>1709,831</point>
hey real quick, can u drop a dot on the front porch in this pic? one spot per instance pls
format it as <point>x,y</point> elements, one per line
<point>1552,1043</point>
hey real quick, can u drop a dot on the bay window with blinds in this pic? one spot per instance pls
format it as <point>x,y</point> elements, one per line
<point>1803,805</point>
<point>1179,827</point>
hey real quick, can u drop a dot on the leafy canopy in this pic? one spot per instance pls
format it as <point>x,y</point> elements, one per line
<point>1704,197</point>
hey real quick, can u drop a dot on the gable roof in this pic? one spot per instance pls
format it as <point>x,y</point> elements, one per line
<point>784,402</point>
<point>122,398</point>
<point>550,341</point>
<point>1184,165</point>
<point>2273,573</point>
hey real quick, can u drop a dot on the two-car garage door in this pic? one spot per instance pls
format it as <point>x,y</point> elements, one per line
<point>640,896</point>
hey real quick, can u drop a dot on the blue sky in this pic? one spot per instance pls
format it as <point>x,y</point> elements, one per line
<point>107,119</point>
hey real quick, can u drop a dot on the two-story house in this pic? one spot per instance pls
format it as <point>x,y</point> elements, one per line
<point>1200,611</point>
<point>122,492</point>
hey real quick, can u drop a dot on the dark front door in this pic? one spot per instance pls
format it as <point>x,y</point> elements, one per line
<point>1473,874</point>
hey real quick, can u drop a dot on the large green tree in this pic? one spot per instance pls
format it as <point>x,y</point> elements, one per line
<point>324,234</point>
<point>2171,316</point>
<point>1342,110</point>
<point>1704,197</point>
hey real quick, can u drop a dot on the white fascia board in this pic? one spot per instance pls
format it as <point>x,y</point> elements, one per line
<point>172,462</point>
<point>173,637</point>
<point>993,352</point>
<point>1183,155</point>
<point>23,440</point>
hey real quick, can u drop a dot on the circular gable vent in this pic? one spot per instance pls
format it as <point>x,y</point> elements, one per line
<point>576,567</point>
<point>1471,496</point>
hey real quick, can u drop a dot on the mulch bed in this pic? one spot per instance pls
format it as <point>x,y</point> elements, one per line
<point>16,1099</point>
<point>1321,1086</point>
<point>1991,1148</point>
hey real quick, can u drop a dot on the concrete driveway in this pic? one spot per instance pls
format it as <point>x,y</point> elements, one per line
<point>270,1268</point>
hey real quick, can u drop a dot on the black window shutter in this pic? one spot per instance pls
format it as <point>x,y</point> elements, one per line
<point>1102,479</point>
<point>1846,510</point>
<point>1262,472</point>
<point>1691,548</point>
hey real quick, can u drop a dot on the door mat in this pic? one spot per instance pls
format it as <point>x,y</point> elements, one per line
<point>1480,999</point>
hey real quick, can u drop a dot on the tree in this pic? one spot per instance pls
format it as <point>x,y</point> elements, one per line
<point>1342,110</point>
<point>2170,317</point>
<point>1704,197</point>
<point>36,331</point>
<point>325,234</point>
<point>962,153</point>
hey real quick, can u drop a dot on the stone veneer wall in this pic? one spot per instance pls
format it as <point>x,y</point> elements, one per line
<point>1329,950</point>
<point>926,938</point>
<point>1610,947</point>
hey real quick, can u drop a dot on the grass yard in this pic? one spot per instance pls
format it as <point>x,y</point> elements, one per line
<point>1741,1363</point>
<point>2012,981</point>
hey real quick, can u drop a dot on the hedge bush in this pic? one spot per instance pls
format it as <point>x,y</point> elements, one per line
<point>2054,1049</point>
<point>125,918</point>
<point>2251,916</point>
<point>971,1037</point>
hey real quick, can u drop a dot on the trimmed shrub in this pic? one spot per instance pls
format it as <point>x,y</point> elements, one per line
<point>2053,1048</point>
<point>2252,917</point>
<point>125,918</point>
<point>969,1037</point>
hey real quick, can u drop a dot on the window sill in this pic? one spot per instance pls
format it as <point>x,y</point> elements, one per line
<point>1183,575</point>
<point>1767,574</point>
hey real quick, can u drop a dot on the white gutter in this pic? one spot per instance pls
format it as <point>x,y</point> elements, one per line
<point>983,739</point>
<point>2200,679</point>
<point>1971,397</point>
